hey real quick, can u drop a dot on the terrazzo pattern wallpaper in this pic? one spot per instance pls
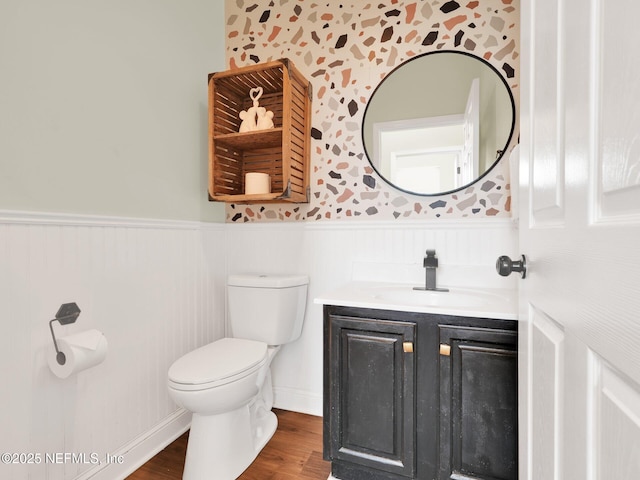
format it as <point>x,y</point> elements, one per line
<point>345,48</point>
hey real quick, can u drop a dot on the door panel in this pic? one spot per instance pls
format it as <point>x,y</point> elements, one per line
<point>478,404</point>
<point>580,230</point>
<point>617,146</point>
<point>373,386</point>
<point>547,349</point>
<point>470,167</point>
<point>547,189</point>
<point>375,425</point>
<point>616,419</point>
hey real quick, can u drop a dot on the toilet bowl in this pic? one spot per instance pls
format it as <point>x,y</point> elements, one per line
<point>219,376</point>
<point>221,384</point>
<point>227,383</point>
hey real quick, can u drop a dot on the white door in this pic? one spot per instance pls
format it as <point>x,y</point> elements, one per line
<point>580,230</point>
<point>469,168</point>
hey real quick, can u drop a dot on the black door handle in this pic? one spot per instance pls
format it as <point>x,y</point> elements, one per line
<point>505,266</point>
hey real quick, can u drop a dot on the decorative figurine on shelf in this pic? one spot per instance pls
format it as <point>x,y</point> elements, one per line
<point>265,119</point>
<point>248,118</point>
<point>256,117</point>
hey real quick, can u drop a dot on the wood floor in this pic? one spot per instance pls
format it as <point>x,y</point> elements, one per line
<point>294,453</point>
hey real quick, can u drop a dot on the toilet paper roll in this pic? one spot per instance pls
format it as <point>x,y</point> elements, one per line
<point>82,350</point>
<point>255,182</point>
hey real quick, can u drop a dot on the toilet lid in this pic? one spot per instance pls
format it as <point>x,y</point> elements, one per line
<point>216,361</point>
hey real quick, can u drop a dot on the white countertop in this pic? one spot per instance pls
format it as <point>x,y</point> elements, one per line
<point>495,303</point>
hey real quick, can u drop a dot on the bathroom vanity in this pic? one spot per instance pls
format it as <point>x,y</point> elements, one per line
<point>420,386</point>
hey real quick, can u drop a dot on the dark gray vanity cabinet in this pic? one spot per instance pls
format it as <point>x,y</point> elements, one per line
<point>478,403</point>
<point>372,395</point>
<point>419,396</point>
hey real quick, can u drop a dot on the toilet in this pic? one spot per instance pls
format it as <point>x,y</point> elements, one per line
<point>227,384</point>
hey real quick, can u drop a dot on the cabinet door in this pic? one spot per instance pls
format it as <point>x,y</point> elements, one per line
<point>478,403</point>
<point>372,395</point>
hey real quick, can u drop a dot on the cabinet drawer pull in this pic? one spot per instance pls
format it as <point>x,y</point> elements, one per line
<point>445,349</point>
<point>407,347</point>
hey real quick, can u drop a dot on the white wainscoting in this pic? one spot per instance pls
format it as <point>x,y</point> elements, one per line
<point>152,289</point>
<point>334,253</point>
<point>156,290</point>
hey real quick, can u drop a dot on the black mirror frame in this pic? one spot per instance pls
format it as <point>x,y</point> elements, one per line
<point>498,158</point>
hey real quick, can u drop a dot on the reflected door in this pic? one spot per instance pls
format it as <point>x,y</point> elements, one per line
<point>470,167</point>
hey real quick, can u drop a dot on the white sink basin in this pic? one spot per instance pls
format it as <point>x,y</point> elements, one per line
<point>456,297</point>
<point>468,302</point>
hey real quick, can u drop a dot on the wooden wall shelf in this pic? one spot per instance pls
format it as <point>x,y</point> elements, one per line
<point>252,140</point>
<point>282,152</point>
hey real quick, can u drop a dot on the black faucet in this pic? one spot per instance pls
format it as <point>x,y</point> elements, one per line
<point>430,264</point>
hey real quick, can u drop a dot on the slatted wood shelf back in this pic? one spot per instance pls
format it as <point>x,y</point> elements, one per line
<point>282,152</point>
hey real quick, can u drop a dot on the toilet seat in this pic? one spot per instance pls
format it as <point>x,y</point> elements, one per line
<point>223,361</point>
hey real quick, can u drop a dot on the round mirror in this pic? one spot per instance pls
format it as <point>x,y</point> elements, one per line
<point>438,122</point>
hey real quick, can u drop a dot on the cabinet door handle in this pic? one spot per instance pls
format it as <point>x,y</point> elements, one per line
<point>407,347</point>
<point>445,349</point>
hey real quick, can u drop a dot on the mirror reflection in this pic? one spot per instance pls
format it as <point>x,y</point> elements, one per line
<point>438,122</point>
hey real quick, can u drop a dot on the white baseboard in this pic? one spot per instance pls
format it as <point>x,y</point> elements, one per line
<point>297,401</point>
<point>137,452</point>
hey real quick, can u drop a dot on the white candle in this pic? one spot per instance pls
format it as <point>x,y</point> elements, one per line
<point>257,183</point>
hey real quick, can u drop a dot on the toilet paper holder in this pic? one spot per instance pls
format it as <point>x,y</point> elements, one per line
<point>67,313</point>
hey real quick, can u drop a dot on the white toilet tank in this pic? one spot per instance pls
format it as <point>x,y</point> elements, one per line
<point>267,308</point>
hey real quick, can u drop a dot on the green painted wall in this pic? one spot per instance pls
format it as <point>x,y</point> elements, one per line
<point>103,106</point>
